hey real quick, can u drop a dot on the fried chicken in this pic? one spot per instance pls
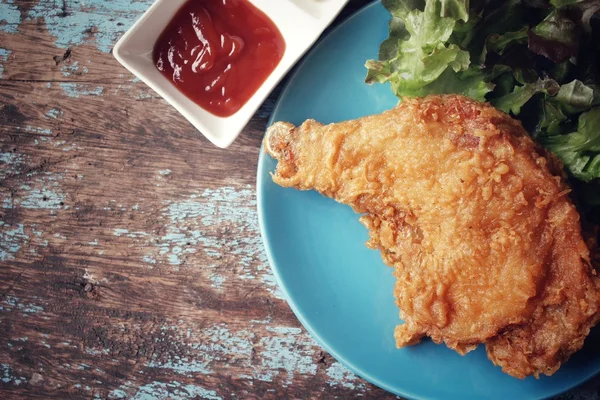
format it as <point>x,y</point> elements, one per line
<point>474,218</point>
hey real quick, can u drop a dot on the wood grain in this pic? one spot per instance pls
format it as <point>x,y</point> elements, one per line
<point>131,265</point>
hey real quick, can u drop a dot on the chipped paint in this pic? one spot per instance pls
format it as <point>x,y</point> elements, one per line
<point>280,353</point>
<point>143,96</point>
<point>160,390</point>
<point>149,260</point>
<point>8,376</point>
<point>164,172</point>
<point>288,352</point>
<point>192,229</point>
<point>12,164</point>
<point>217,281</point>
<point>117,394</point>
<point>99,21</point>
<point>43,199</point>
<point>53,113</point>
<point>201,349</point>
<point>10,17</point>
<point>120,232</point>
<point>96,352</point>
<point>15,303</point>
<point>178,243</point>
<point>340,375</point>
<point>76,90</point>
<point>11,240</point>
<point>42,192</point>
<point>68,69</point>
<point>33,129</point>
<point>31,308</point>
<point>4,53</point>
<point>125,232</point>
<point>182,366</point>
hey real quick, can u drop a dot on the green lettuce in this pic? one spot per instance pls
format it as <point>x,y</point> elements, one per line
<point>538,60</point>
<point>418,52</point>
<point>512,102</point>
<point>580,150</point>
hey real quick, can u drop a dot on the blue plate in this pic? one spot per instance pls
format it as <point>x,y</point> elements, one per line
<point>340,290</point>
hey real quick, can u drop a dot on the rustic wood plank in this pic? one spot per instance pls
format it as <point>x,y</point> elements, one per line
<point>130,258</point>
<point>131,265</point>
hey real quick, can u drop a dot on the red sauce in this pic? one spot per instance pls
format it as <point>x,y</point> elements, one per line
<point>219,52</point>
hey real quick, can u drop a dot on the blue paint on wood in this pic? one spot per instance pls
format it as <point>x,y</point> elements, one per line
<point>10,17</point>
<point>13,163</point>
<point>11,301</point>
<point>11,240</point>
<point>95,352</point>
<point>199,350</point>
<point>68,69</point>
<point>77,90</point>
<point>54,113</point>
<point>191,220</point>
<point>16,304</point>
<point>149,260</point>
<point>342,376</point>
<point>31,308</point>
<point>4,53</point>
<point>143,96</point>
<point>99,21</point>
<point>217,281</point>
<point>33,129</point>
<point>280,353</point>
<point>50,199</point>
<point>43,192</point>
<point>182,366</point>
<point>8,376</point>
<point>178,242</point>
<point>164,390</point>
<point>120,232</point>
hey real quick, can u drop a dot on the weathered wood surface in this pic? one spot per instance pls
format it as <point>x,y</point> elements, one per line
<point>131,265</point>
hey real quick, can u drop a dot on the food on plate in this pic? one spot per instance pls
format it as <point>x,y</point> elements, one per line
<point>473,216</point>
<point>537,60</point>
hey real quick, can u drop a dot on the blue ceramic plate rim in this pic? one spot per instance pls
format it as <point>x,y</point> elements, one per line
<point>275,269</point>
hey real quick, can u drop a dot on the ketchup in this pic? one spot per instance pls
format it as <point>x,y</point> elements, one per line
<point>219,52</point>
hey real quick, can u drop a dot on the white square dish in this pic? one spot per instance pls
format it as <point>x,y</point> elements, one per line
<point>299,21</point>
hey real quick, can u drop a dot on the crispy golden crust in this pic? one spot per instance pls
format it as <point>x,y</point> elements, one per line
<point>485,244</point>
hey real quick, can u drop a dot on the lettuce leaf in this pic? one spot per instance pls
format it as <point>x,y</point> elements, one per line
<point>575,97</point>
<point>422,53</point>
<point>557,37</point>
<point>498,43</point>
<point>538,60</point>
<point>585,8</point>
<point>550,120</point>
<point>580,150</point>
<point>512,102</point>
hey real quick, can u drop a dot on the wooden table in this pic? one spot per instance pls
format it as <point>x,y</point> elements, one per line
<point>131,264</point>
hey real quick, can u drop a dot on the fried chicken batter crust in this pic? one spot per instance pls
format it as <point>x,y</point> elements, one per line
<point>485,244</point>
